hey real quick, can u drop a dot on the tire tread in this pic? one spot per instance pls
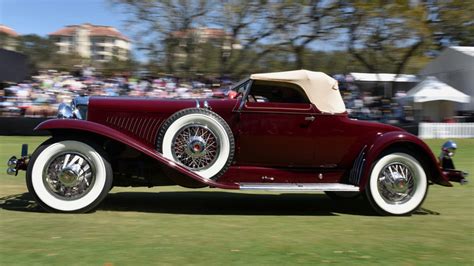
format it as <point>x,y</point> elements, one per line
<point>177,115</point>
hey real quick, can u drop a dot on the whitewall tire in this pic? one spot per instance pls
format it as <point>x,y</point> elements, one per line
<point>198,139</point>
<point>397,184</point>
<point>69,175</point>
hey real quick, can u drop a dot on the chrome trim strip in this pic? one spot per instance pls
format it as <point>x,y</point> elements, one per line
<point>298,186</point>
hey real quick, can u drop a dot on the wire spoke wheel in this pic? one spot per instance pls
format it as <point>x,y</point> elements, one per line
<point>195,146</point>
<point>199,140</point>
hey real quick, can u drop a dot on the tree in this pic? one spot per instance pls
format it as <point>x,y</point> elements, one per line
<point>297,24</point>
<point>385,36</point>
<point>174,31</point>
<point>7,40</point>
<point>116,65</point>
<point>451,22</point>
<point>273,27</point>
<point>163,28</point>
<point>42,54</point>
<point>246,27</point>
<point>38,49</point>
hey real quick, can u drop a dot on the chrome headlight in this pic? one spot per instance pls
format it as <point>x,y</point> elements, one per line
<point>65,111</point>
<point>79,106</point>
<point>77,109</point>
<point>449,148</point>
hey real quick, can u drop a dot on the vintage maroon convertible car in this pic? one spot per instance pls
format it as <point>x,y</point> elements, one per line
<point>285,131</point>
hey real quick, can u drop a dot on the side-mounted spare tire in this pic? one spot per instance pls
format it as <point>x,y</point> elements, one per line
<point>198,139</point>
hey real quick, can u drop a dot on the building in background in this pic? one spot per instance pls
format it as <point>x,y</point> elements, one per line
<point>8,38</point>
<point>196,36</point>
<point>205,35</point>
<point>99,43</point>
<point>455,67</point>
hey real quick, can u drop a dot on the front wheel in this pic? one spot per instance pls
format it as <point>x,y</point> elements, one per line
<point>69,176</point>
<point>397,184</point>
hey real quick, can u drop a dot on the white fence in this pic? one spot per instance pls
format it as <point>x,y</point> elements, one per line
<point>446,130</point>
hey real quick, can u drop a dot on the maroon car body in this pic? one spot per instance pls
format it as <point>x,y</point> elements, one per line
<point>290,146</point>
<point>275,141</point>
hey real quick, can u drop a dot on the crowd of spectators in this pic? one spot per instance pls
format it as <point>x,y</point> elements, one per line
<point>41,96</point>
<point>364,105</point>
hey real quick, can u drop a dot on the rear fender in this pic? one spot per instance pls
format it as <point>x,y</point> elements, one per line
<point>180,174</point>
<point>404,140</point>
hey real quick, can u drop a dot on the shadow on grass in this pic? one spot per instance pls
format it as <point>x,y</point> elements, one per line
<point>20,202</point>
<point>228,203</point>
<point>216,203</point>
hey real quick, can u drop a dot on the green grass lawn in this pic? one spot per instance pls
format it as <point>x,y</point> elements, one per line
<point>172,225</point>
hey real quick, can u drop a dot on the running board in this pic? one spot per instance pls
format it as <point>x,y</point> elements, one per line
<point>298,186</point>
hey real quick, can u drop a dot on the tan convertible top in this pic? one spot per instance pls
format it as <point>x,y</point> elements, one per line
<point>321,89</point>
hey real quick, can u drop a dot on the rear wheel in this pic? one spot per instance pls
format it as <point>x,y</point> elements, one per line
<point>397,184</point>
<point>198,139</point>
<point>69,175</point>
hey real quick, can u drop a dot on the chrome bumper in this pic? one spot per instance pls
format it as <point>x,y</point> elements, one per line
<point>456,176</point>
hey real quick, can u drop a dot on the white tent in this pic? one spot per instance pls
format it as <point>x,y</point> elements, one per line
<point>431,89</point>
<point>434,99</point>
<point>383,77</point>
<point>455,67</point>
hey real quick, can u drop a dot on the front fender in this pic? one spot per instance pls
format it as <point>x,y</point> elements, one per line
<point>401,139</point>
<point>110,133</point>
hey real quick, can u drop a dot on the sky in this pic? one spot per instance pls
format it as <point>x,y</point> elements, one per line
<point>45,16</point>
<point>42,17</point>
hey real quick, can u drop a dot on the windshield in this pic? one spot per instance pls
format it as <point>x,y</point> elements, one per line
<point>240,86</point>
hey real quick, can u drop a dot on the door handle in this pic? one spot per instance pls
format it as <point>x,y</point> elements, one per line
<point>310,118</point>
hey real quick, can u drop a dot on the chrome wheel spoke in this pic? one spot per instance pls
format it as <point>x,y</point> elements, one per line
<point>195,146</point>
<point>396,183</point>
<point>69,176</point>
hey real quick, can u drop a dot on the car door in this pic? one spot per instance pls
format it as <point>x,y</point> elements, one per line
<point>275,126</point>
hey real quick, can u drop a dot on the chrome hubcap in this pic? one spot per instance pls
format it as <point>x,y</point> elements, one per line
<point>396,183</point>
<point>195,146</point>
<point>69,176</point>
